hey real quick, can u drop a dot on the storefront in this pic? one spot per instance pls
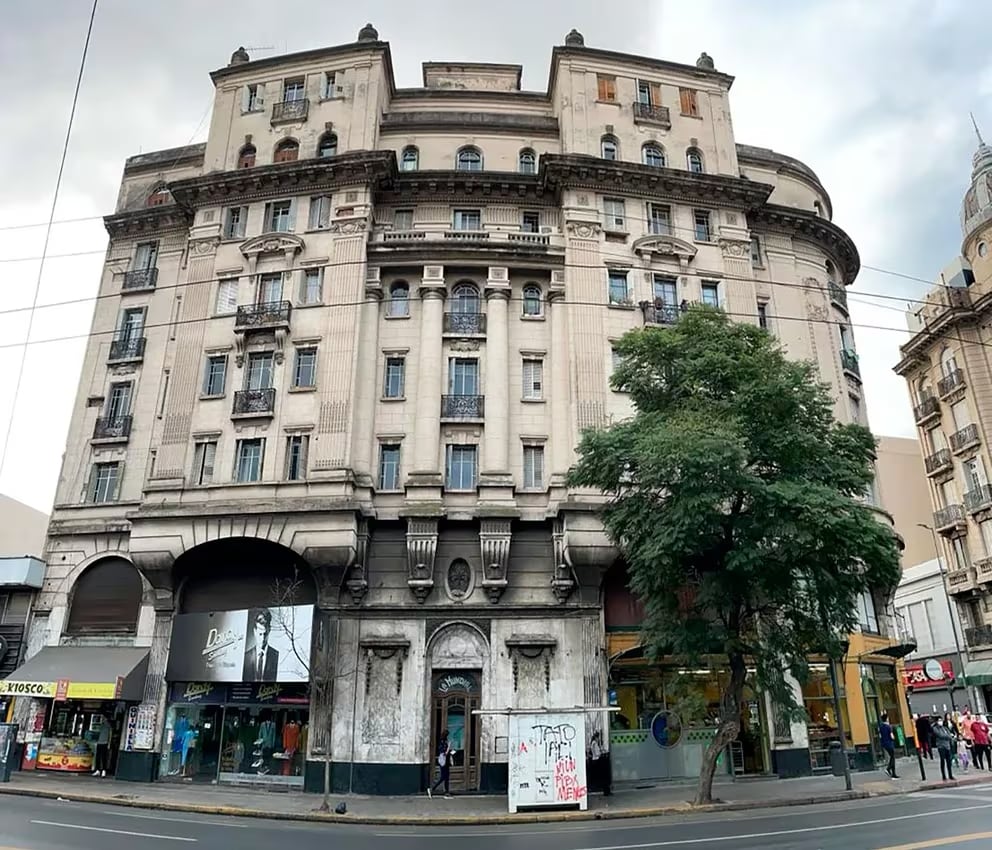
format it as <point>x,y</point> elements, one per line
<point>238,699</point>
<point>933,686</point>
<point>821,712</point>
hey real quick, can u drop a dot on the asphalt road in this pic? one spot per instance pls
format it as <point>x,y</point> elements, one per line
<point>959,819</point>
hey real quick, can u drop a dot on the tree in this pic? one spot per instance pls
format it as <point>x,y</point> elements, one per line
<point>736,501</point>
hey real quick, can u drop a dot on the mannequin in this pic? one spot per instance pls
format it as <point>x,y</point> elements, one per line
<point>189,749</point>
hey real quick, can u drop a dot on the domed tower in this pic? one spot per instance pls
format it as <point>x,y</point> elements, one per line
<point>976,214</point>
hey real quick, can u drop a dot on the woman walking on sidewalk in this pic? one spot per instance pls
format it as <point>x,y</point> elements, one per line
<point>945,746</point>
<point>444,762</point>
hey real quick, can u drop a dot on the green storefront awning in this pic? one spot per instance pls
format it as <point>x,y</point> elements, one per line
<point>978,672</point>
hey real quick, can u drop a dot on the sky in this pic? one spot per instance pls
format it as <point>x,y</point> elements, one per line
<point>874,95</point>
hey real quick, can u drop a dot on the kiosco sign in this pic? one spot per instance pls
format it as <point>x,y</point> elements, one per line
<point>27,689</point>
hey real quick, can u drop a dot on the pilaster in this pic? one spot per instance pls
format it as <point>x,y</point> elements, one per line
<point>363,462</point>
<point>496,483</point>
<point>562,434</point>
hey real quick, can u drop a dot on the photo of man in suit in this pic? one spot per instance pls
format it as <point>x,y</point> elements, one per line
<point>261,660</point>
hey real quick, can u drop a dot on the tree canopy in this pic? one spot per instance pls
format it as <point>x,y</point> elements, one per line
<point>738,504</point>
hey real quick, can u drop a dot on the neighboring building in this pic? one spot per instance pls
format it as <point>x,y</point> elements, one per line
<point>946,366</point>
<point>903,492</point>
<point>22,541</point>
<point>341,360</point>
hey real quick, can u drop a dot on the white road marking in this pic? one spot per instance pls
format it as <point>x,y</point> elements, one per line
<point>181,820</point>
<point>950,795</point>
<point>115,831</point>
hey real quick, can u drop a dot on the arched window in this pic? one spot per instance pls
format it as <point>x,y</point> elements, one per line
<point>327,146</point>
<point>831,272</point>
<point>159,195</point>
<point>694,161</point>
<point>410,160</point>
<point>527,161</point>
<point>653,154</point>
<point>246,157</point>
<point>105,598</point>
<point>532,300</point>
<point>465,299</point>
<point>399,300</point>
<point>288,150</point>
<point>948,362</point>
<point>469,159</point>
<point>609,148</point>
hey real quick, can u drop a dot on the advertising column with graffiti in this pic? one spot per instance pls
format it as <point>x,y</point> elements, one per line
<point>547,760</point>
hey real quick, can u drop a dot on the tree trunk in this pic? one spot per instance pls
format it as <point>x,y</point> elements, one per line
<point>727,731</point>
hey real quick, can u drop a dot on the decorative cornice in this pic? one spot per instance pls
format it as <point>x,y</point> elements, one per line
<point>272,243</point>
<point>437,186</point>
<point>462,122</point>
<point>813,228</point>
<point>147,220</point>
<point>664,246</point>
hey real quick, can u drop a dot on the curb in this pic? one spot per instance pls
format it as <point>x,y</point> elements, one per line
<point>476,820</point>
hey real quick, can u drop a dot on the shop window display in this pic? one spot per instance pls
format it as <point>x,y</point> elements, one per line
<point>818,700</point>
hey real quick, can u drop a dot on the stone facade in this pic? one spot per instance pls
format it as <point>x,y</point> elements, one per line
<point>374,324</point>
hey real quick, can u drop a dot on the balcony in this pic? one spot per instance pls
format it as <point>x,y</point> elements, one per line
<point>961,581</point>
<point>949,383</point>
<point>964,439</point>
<point>895,627</point>
<point>138,280</point>
<point>978,636</point>
<point>465,324</point>
<point>927,409</point>
<point>450,239</point>
<point>647,113</point>
<point>112,429</point>
<point>849,360</point>
<point>461,407</point>
<point>838,295</point>
<point>543,239</point>
<point>126,349</point>
<point>949,520</point>
<point>983,570</point>
<point>262,317</point>
<point>978,499</point>
<point>657,312</point>
<point>290,110</point>
<point>251,403</point>
<point>939,461</point>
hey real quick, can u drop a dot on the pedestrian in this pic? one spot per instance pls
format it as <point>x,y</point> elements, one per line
<point>980,732</point>
<point>888,744</point>
<point>102,747</point>
<point>444,754</point>
<point>924,731</point>
<point>963,756</point>
<point>945,744</point>
<point>951,721</point>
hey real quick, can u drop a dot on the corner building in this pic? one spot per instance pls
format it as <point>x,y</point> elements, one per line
<point>341,359</point>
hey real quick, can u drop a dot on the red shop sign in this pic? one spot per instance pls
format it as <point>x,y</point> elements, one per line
<point>931,674</point>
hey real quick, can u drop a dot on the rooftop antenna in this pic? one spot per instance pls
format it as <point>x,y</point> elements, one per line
<point>978,132</point>
<point>270,47</point>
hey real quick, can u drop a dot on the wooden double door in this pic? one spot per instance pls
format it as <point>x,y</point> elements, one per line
<point>455,695</point>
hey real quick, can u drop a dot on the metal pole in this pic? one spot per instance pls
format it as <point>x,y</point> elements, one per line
<point>919,749</point>
<point>840,724</point>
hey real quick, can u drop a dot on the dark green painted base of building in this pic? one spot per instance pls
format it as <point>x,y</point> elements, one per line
<point>790,763</point>
<point>137,766</point>
<point>362,778</point>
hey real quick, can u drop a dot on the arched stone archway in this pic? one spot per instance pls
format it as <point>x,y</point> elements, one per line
<point>105,598</point>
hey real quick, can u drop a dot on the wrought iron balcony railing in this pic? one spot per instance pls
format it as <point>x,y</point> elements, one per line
<point>837,294</point>
<point>979,498</point>
<point>254,402</point>
<point>652,114</point>
<point>978,636</point>
<point>928,407</point>
<point>938,461</point>
<point>463,406</point>
<point>127,348</point>
<point>140,279</point>
<point>657,312</point>
<point>112,428</point>
<point>269,314</point>
<point>950,382</point>
<point>967,436</point>
<point>849,360</point>
<point>291,110</point>
<point>465,323</point>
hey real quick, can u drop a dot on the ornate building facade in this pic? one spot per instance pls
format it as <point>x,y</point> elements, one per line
<point>340,362</point>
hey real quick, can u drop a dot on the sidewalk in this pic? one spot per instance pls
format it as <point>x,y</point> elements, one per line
<point>663,799</point>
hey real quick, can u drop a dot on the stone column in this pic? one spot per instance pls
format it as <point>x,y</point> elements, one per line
<point>496,464</point>
<point>363,461</point>
<point>562,448</point>
<point>430,375</point>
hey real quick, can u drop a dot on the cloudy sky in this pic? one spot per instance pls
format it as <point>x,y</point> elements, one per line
<point>873,94</point>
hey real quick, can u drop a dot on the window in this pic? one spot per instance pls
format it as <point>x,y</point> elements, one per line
<point>828,267</point>
<point>253,98</point>
<point>961,559</point>
<point>104,480</point>
<point>158,196</point>
<point>763,315</point>
<point>467,220</point>
<point>974,474</point>
<point>270,288</point>
<point>246,157</point>
<point>327,146</point>
<point>204,457</point>
<point>689,103</point>
<point>616,358</point>
<point>648,93</point>
<point>701,225</point>
<point>394,377</point>
<point>410,159</point>
<point>248,460</point>
<point>653,155</point>
<point>665,290</point>
<point>403,219</point>
<point>533,379</point>
<point>607,88</point>
<point>131,325</point>
<point>227,296</point>
<point>618,290</point>
<point>320,212</point>
<point>465,299</point>
<point>294,89</point>
<point>119,400</point>
<point>615,214</point>
<point>694,161</point>
<point>389,467</point>
<point>660,219</point>
<point>527,161</point>
<point>259,373</point>
<point>311,286</point>
<point>960,415</point>
<point>279,216</point>
<point>305,368</point>
<point>399,300</point>
<point>866,612</point>
<point>846,340</point>
<point>166,375</point>
<point>530,222</point>
<point>105,598</point>
<point>986,530</point>
<point>235,220</point>
<point>145,256</point>
<point>332,84</point>
<point>710,293</point>
<point>983,249</point>
<point>532,300</point>
<point>948,362</point>
<point>288,150</point>
<point>215,375</point>
<point>533,467</point>
<point>460,468</point>
<point>856,417</point>
<point>296,456</point>
<point>610,148</point>
<point>755,251</point>
<point>463,376</point>
<point>469,159</point>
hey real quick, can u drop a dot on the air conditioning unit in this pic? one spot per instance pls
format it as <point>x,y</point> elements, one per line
<point>434,273</point>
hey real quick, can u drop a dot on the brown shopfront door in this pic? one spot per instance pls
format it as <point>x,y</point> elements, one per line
<point>455,697</point>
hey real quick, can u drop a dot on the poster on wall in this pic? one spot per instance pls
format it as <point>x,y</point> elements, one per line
<point>547,760</point>
<point>265,644</point>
